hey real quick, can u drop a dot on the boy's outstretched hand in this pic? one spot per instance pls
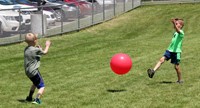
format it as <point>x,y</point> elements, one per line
<point>48,43</point>
<point>173,20</point>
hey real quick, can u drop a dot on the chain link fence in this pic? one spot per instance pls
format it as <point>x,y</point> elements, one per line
<point>57,18</point>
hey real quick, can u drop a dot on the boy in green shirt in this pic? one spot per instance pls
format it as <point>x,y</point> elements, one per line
<point>32,54</point>
<point>173,52</point>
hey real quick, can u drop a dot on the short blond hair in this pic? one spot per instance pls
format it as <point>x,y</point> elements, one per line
<point>30,37</point>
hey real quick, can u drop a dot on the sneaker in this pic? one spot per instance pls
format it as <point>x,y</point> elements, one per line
<point>37,101</point>
<point>179,82</point>
<point>150,73</point>
<point>29,99</point>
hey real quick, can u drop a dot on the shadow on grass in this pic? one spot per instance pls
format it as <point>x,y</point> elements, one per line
<point>22,100</point>
<point>166,82</point>
<point>114,91</point>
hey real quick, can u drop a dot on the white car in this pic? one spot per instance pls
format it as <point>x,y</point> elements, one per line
<point>10,21</point>
<point>24,9</point>
<point>9,5</point>
<point>51,18</point>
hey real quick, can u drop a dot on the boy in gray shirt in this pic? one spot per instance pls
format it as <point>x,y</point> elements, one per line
<point>32,54</point>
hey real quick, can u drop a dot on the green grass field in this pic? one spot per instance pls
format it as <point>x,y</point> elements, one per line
<point>77,73</point>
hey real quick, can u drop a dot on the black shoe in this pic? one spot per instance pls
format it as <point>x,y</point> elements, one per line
<point>150,73</point>
<point>29,99</point>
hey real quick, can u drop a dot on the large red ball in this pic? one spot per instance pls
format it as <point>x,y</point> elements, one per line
<point>121,63</point>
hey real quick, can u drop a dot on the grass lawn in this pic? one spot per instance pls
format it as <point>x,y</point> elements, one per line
<point>77,74</point>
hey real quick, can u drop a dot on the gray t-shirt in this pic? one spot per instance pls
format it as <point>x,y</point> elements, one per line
<point>32,60</point>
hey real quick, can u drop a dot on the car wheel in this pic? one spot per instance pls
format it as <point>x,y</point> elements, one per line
<point>60,15</point>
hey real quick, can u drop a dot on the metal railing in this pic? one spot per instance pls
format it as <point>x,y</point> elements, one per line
<point>54,20</point>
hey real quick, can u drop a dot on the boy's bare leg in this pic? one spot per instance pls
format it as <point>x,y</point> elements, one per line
<point>40,92</point>
<point>151,72</point>
<point>38,96</point>
<point>31,92</point>
<point>160,62</point>
<point>178,71</point>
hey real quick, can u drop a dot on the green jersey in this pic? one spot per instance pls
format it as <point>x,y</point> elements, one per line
<point>176,43</point>
<point>32,60</point>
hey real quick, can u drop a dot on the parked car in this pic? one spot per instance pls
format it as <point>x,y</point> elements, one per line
<point>106,3</point>
<point>84,7</point>
<point>72,10</point>
<point>60,10</point>
<point>10,21</point>
<point>51,18</point>
<point>96,6</point>
<point>25,11</point>
<point>9,5</point>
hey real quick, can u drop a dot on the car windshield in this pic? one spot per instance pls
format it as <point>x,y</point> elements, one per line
<point>6,2</point>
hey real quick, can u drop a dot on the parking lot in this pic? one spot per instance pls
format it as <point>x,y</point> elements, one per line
<point>73,23</point>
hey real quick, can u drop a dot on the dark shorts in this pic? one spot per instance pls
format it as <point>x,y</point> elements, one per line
<point>37,80</point>
<point>175,57</point>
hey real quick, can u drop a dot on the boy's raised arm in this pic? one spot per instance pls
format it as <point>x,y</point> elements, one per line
<point>175,21</point>
<point>48,43</point>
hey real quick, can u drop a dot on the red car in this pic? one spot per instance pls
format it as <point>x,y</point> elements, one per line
<point>85,8</point>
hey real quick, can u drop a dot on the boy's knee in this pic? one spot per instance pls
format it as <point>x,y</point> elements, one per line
<point>176,67</point>
<point>162,60</point>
